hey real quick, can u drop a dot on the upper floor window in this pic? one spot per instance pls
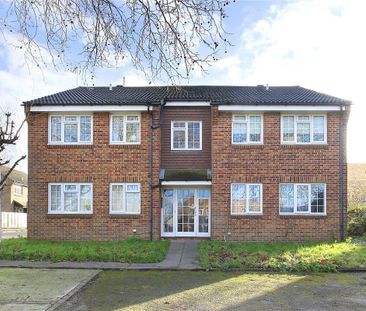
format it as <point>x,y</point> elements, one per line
<point>246,199</point>
<point>18,189</point>
<point>125,129</point>
<point>247,129</point>
<point>186,135</point>
<point>70,198</point>
<point>70,129</point>
<point>302,198</point>
<point>304,129</point>
<point>125,198</point>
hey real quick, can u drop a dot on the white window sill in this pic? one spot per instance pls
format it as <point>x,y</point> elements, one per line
<point>71,213</point>
<point>71,144</point>
<point>303,214</point>
<point>122,214</point>
<point>247,144</point>
<point>247,214</point>
<point>200,149</point>
<point>123,143</point>
<point>303,144</point>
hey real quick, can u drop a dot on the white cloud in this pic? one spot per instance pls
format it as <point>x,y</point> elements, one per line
<point>315,44</point>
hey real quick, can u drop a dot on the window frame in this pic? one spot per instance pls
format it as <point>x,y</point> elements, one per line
<point>311,121</point>
<point>246,213</point>
<point>125,184</point>
<point>297,213</point>
<point>63,115</point>
<point>248,115</point>
<point>124,115</point>
<point>185,137</point>
<point>17,186</point>
<point>62,212</point>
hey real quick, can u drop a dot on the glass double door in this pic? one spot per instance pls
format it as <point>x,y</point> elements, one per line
<point>186,212</point>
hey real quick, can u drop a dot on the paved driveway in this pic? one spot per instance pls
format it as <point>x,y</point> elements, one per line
<point>38,289</point>
<point>185,290</point>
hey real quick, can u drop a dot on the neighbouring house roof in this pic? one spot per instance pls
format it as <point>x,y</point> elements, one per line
<point>172,174</point>
<point>16,176</point>
<point>120,95</point>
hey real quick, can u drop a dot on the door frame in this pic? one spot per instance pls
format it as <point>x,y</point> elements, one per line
<point>196,232</point>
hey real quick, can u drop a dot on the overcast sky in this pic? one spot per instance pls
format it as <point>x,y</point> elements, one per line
<point>318,44</point>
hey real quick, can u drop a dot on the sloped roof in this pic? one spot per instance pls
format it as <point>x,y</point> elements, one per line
<point>16,176</point>
<point>120,95</point>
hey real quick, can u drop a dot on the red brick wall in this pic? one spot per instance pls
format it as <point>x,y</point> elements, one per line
<point>271,164</point>
<point>100,164</point>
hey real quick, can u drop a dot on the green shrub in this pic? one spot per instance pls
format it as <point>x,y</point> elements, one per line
<point>357,221</point>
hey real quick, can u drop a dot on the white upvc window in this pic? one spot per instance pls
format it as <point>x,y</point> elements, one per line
<point>70,129</point>
<point>246,199</point>
<point>70,198</point>
<point>247,129</point>
<point>304,129</point>
<point>125,128</point>
<point>303,199</point>
<point>186,135</point>
<point>125,198</point>
<point>18,189</point>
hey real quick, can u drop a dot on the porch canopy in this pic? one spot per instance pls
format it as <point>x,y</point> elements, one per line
<point>173,176</point>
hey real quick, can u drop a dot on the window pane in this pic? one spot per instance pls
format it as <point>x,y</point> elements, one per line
<point>194,135</point>
<point>255,128</point>
<point>287,198</point>
<point>132,188</point>
<point>317,198</point>
<point>70,118</point>
<point>168,210</point>
<point>117,128</point>
<point>303,132</point>
<point>179,137</point>
<point>302,198</point>
<point>132,118</point>
<point>240,132</point>
<point>318,130</point>
<point>238,198</point>
<point>179,124</point>
<point>117,198</point>
<point>132,202</point>
<point>55,129</point>
<point>85,128</point>
<point>71,201</point>
<point>288,124</point>
<point>70,188</point>
<point>203,193</point>
<point>85,198</point>
<point>132,132</point>
<point>56,198</point>
<point>240,118</point>
<point>254,198</point>
<point>70,133</point>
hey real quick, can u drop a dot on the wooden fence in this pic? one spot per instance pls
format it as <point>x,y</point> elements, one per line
<point>13,220</point>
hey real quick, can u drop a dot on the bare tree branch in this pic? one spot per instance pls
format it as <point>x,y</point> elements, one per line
<point>9,136</point>
<point>165,39</point>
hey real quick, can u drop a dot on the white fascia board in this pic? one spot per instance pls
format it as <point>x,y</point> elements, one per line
<point>89,108</point>
<point>187,104</point>
<point>278,108</point>
<point>185,183</point>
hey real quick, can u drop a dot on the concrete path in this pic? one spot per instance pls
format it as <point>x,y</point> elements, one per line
<point>182,255</point>
<point>13,233</point>
<point>40,289</point>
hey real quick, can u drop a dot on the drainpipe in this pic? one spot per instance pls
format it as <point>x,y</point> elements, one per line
<point>341,168</point>
<point>152,128</point>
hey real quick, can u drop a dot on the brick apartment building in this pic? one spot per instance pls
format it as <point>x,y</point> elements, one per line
<point>221,162</point>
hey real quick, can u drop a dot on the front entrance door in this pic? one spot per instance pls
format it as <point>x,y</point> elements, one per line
<point>186,212</point>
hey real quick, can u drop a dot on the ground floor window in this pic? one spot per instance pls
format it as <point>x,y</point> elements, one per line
<point>125,198</point>
<point>70,198</point>
<point>246,199</point>
<point>302,198</point>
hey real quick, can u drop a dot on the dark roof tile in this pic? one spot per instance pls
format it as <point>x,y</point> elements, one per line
<point>120,95</point>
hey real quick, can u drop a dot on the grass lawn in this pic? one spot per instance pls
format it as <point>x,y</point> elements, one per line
<point>285,257</point>
<point>129,251</point>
